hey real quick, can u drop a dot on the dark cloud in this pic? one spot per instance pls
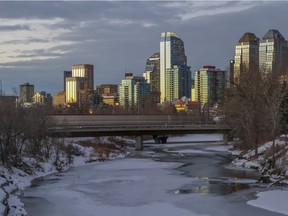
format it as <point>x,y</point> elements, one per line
<point>14,27</point>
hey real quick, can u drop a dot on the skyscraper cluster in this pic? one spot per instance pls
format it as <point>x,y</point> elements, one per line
<point>28,96</point>
<point>269,54</point>
<point>167,78</point>
<point>171,80</point>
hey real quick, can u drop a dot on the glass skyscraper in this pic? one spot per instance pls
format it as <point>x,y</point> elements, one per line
<point>175,75</point>
<point>273,52</point>
<point>246,55</point>
<point>152,75</point>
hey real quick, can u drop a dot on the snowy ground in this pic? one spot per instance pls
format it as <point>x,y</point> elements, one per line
<point>273,200</point>
<point>14,181</point>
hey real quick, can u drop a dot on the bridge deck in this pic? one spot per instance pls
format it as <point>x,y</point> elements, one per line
<point>90,131</point>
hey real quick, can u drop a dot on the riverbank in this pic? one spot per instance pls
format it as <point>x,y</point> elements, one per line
<point>270,174</point>
<point>177,178</point>
<point>13,180</point>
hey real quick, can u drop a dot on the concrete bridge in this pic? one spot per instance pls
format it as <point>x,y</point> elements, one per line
<point>132,125</point>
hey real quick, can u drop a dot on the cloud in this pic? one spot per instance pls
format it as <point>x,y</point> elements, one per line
<point>187,11</point>
<point>13,27</point>
<point>29,36</point>
<point>125,22</point>
<point>44,38</point>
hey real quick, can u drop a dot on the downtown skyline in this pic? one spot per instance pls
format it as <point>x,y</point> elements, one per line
<point>43,39</point>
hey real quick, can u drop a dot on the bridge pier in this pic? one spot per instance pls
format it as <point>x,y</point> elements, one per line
<point>139,143</point>
<point>225,138</point>
<point>160,139</point>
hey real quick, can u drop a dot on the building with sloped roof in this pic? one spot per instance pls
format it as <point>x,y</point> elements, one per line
<point>246,55</point>
<point>273,52</point>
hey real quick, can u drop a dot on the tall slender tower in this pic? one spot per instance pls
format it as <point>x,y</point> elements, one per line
<point>273,52</point>
<point>246,55</point>
<point>175,75</point>
<point>152,75</point>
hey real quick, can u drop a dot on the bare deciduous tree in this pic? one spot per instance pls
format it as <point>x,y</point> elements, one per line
<point>245,109</point>
<point>273,96</point>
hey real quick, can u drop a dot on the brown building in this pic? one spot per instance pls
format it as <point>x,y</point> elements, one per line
<point>59,99</point>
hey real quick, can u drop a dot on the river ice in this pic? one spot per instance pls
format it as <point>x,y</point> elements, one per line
<point>141,187</point>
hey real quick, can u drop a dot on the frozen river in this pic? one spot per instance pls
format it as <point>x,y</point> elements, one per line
<point>184,179</point>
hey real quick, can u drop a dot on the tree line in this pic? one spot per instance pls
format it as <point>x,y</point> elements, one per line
<point>256,108</point>
<point>23,133</point>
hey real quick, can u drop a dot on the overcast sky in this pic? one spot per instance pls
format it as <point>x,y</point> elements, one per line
<point>39,40</point>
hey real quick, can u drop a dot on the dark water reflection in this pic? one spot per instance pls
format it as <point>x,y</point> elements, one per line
<point>210,173</point>
<point>212,187</point>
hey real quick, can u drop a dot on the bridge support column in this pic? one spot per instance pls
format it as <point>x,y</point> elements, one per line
<point>225,138</point>
<point>160,139</point>
<point>139,143</point>
<point>164,139</point>
<point>156,139</point>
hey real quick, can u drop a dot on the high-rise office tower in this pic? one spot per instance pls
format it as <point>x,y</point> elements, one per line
<point>273,52</point>
<point>86,71</point>
<point>74,86</point>
<point>26,93</point>
<point>132,90</point>
<point>246,55</point>
<point>152,75</point>
<point>210,85</point>
<point>79,86</point>
<point>66,74</point>
<point>175,75</point>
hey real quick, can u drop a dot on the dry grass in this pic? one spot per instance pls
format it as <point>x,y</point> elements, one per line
<point>101,146</point>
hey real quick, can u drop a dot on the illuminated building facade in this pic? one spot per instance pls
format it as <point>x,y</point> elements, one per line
<point>132,90</point>
<point>43,98</point>
<point>246,55</point>
<point>273,52</point>
<point>73,87</point>
<point>210,85</point>
<point>66,74</point>
<point>175,75</point>
<point>79,86</point>
<point>86,71</point>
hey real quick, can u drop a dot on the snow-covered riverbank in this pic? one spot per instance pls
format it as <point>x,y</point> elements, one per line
<point>13,181</point>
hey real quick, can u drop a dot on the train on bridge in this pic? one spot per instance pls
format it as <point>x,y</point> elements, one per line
<point>127,119</point>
